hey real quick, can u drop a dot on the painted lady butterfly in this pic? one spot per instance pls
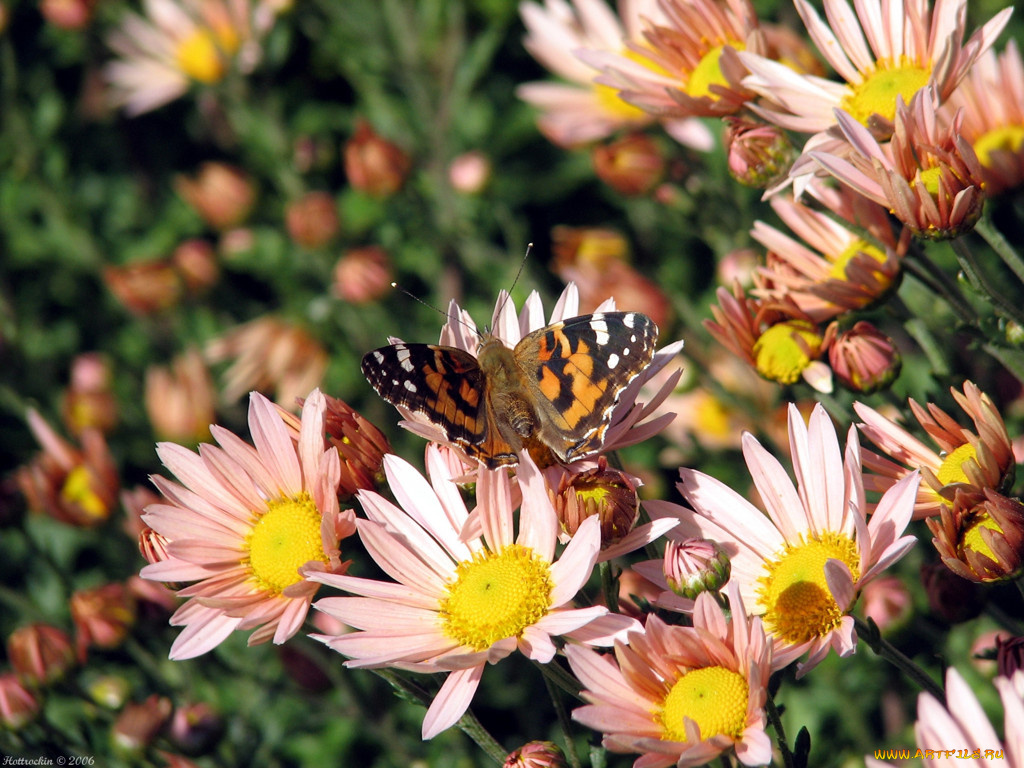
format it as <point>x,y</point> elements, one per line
<point>553,394</point>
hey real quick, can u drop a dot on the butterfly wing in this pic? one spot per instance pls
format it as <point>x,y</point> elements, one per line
<point>577,369</point>
<point>444,384</point>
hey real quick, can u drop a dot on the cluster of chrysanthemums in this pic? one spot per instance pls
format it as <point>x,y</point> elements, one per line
<point>250,531</point>
<point>923,123</point>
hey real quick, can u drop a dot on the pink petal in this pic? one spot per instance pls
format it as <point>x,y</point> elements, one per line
<point>452,701</point>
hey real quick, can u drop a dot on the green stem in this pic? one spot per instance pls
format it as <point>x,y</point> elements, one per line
<point>609,587</point>
<point>564,721</point>
<point>868,632</point>
<point>554,673</point>
<point>1001,246</point>
<point>937,281</point>
<point>981,283</point>
<point>780,732</point>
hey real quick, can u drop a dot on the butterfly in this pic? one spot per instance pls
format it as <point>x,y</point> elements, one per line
<point>553,394</point>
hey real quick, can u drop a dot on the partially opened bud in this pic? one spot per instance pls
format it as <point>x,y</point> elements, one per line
<point>694,566</point>
<point>607,493</point>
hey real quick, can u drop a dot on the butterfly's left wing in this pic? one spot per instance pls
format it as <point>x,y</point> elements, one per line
<point>577,369</point>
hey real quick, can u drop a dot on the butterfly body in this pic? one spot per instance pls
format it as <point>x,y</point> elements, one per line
<point>553,394</point>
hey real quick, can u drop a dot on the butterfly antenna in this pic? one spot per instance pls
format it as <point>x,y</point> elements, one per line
<point>440,311</point>
<point>522,266</point>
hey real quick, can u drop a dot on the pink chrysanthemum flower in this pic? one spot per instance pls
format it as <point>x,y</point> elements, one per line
<point>948,733</point>
<point>982,458</point>
<point>250,525</point>
<point>179,43</point>
<point>467,591</point>
<point>928,176</point>
<point>632,421</point>
<point>883,50</point>
<point>581,110</point>
<point>802,566</point>
<point>681,695</point>
<point>687,65</point>
<point>992,100</point>
<point>831,268</point>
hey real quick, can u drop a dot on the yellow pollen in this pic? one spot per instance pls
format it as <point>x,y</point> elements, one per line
<point>608,96</point>
<point>1008,138</point>
<point>496,595</point>
<point>78,489</point>
<point>794,594</point>
<point>199,56</point>
<point>708,72</point>
<point>952,468</point>
<point>715,698</point>
<point>783,351</point>
<point>593,494</point>
<point>286,537</point>
<point>930,180</point>
<point>855,248</point>
<point>972,539</point>
<point>876,93</point>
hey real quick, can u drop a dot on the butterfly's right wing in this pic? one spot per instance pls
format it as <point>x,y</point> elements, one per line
<point>445,385</point>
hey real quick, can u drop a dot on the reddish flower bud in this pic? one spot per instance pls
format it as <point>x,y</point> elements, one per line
<point>40,654</point>
<point>632,165</point>
<point>373,164</point>
<point>221,194</point>
<point>312,220</point>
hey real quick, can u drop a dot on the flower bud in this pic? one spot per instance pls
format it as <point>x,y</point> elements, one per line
<point>102,616</point>
<point>312,220</point>
<point>221,194</point>
<point>18,707</point>
<point>144,287</point>
<point>632,165</point>
<point>362,275</point>
<point>469,173</point>
<point>373,164</point>
<point>360,445</point>
<point>758,153</point>
<point>536,754</point>
<point>110,691</point>
<point>1009,655</point>
<point>886,601</point>
<point>180,400</point>
<point>863,358</point>
<point>40,654</point>
<point>195,261</point>
<point>951,597</point>
<point>139,723</point>
<point>68,14</point>
<point>694,566</point>
<point>601,491</point>
<point>89,401</point>
<point>195,728</point>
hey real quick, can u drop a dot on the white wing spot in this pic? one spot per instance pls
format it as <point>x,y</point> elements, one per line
<point>629,320</point>
<point>600,329</point>
<point>625,352</point>
<point>394,382</point>
<point>633,338</point>
<point>408,385</point>
<point>613,360</point>
<point>378,356</point>
<point>402,353</point>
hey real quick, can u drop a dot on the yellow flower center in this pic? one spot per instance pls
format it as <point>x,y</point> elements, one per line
<point>876,93</point>
<point>78,489</point>
<point>708,72</point>
<point>496,595</point>
<point>1009,138</point>
<point>199,56</point>
<point>608,97</point>
<point>783,351</point>
<point>715,698</point>
<point>952,468</point>
<point>794,594</point>
<point>972,539</point>
<point>284,539</point>
<point>712,419</point>
<point>855,248</point>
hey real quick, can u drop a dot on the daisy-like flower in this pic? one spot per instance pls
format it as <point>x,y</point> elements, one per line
<point>687,65</point>
<point>830,269</point>
<point>948,733</point>
<point>181,42</point>
<point>992,100</point>
<point>467,592</point>
<point>884,50</point>
<point>776,338</point>
<point>251,526</point>
<point>582,110</point>
<point>681,695</point>
<point>982,458</point>
<point>801,567</point>
<point>632,421</point>
<point>928,176</point>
